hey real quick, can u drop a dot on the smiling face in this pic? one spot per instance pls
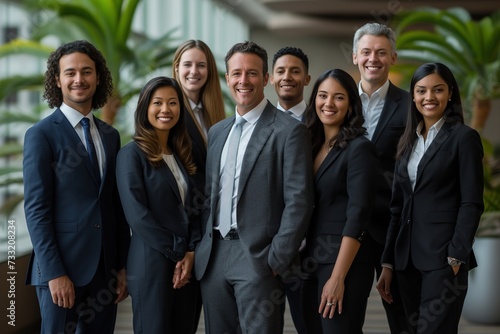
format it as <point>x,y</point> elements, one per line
<point>374,58</point>
<point>192,72</point>
<point>163,110</point>
<point>78,81</point>
<point>289,78</point>
<point>246,80</point>
<point>332,104</point>
<point>431,95</point>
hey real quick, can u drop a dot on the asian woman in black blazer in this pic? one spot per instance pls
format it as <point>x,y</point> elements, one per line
<point>436,204</point>
<point>153,176</point>
<point>346,171</point>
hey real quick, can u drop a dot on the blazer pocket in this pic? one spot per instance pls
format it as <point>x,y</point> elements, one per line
<point>438,217</point>
<point>335,227</point>
<point>66,227</point>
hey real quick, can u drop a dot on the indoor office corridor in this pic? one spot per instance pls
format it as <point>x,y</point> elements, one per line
<point>375,322</point>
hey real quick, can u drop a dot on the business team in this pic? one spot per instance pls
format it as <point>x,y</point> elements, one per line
<point>264,193</point>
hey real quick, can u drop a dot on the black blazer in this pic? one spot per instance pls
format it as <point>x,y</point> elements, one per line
<point>153,206</point>
<point>440,216</point>
<point>389,129</point>
<point>199,155</point>
<point>344,192</point>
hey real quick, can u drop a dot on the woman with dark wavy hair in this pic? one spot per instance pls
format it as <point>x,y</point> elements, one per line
<point>437,200</point>
<point>153,176</point>
<point>346,169</point>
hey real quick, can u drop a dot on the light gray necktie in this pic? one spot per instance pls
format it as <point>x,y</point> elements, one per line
<point>226,196</point>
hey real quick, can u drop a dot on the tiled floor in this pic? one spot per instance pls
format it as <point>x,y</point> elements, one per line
<point>375,322</point>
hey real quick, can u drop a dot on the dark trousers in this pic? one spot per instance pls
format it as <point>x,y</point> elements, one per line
<point>433,299</point>
<point>94,310</point>
<point>395,312</point>
<point>358,283</point>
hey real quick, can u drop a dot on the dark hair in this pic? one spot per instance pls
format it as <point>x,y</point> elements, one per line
<point>297,52</point>
<point>145,136</point>
<point>53,93</point>
<point>351,128</point>
<point>248,47</point>
<point>453,112</point>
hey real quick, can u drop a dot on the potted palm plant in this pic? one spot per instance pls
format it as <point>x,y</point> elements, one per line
<point>482,304</point>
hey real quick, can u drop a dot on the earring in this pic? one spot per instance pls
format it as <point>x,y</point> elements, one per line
<point>413,100</point>
<point>449,100</point>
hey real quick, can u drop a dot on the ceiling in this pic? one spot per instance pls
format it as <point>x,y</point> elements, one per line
<point>337,17</point>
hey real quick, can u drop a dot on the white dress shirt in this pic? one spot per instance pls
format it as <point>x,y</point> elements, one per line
<point>296,111</point>
<point>372,107</point>
<point>74,117</point>
<point>420,147</point>
<point>251,118</point>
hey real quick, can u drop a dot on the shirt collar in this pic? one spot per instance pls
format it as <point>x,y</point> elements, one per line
<point>435,127</point>
<point>253,115</point>
<point>297,109</point>
<point>194,105</point>
<point>74,116</point>
<point>382,91</point>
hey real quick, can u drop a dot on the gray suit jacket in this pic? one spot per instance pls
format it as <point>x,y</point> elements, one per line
<point>275,194</point>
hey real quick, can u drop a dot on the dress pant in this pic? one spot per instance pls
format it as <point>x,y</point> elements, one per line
<point>94,310</point>
<point>358,284</point>
<point>235,298</point>
<point>433,299</point>
<point>395,312</point>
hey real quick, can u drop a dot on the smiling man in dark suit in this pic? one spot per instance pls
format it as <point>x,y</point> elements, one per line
<point>252,238</point>
<point>385,107</point>
<point>75,220</point>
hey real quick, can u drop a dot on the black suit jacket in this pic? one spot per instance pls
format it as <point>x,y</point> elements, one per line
<point>344,192</point>
<point>389,129</point>
<point>72,219</point>
<point>440,216</point>
<point>153,206</point>
<point>199,155</point>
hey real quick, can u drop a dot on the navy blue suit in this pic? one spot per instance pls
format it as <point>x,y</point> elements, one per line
<point>76,225</point>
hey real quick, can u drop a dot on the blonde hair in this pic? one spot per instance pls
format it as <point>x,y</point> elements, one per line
<point>211,92</point>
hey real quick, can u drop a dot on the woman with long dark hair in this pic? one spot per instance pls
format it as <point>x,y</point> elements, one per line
<point>346,170</point>
<point>153,176</point>
<point>436,204</point>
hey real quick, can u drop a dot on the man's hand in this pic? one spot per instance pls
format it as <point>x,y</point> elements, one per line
<point>62,291</point>
<point>121,286</point>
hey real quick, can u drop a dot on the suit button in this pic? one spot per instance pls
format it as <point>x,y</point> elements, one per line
<point>97,226</point>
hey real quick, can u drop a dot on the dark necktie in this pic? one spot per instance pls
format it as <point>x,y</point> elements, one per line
<point>91,147</point>
<point>226,196</point>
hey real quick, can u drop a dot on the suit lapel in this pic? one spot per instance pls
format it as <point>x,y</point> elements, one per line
<point>329,159</point>
<point>260,135</point>
<point>218,145</point>
<point>167,174</point>
<point>70,133</point>
<point>198,138</point>
<point>436,144</point>
<point>390,106</point>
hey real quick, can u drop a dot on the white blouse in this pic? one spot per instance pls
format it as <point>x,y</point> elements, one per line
<point>179,177</point>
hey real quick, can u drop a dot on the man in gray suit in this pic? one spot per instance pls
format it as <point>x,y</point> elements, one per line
<point>250,242</point>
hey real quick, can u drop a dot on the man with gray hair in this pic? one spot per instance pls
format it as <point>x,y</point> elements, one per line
<point>385,107</point>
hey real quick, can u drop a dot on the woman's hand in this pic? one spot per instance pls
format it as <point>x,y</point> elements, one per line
<point>182,271</point>
<point>331,297</point>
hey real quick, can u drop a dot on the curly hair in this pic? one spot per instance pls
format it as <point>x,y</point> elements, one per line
<point>293,51</point>
<point>53,93</point>
<point>351,128</point>
<point>145,135</point>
